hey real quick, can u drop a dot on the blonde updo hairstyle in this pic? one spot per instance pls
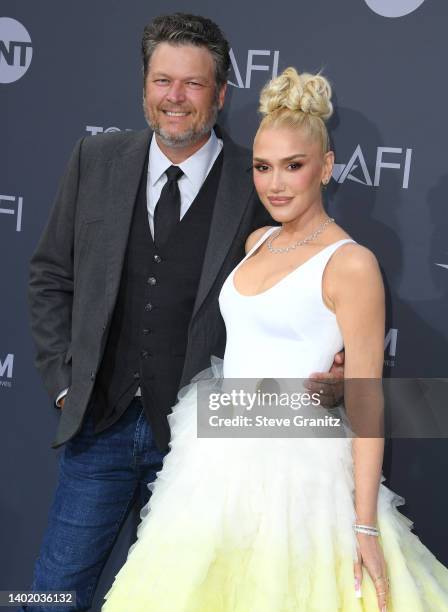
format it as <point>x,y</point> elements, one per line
<point>298,101</point>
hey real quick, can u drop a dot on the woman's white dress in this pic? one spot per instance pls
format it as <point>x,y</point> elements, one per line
<point>265,524</point>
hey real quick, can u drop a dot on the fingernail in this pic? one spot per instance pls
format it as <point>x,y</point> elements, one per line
<point>358,592</point>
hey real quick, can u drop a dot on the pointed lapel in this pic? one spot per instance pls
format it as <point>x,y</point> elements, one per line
<point>234,189</point>
<point>125,170</point>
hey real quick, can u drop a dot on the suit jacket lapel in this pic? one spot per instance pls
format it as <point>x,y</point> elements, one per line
<point>235,188</point>
<point>126,169</point>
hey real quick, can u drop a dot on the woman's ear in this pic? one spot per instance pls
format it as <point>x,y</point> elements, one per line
<point>327,169</point>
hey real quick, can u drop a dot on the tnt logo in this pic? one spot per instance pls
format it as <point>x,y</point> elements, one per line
<point>390,158</point>
<point>96,129</point>
<point>16,50</point>
<point>270,64</point>
<point>6,368</point>
<point>15,207</point>
<point>390,347</point>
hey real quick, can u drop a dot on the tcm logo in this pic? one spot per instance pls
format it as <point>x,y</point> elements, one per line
<point>393,8</point>
<point>96,129</point>
<point>390,347</point>
<point>243,77</point>
<point>16,50</point>
<point>6,368</point>
<point>15,207</point>
<point>387,158</point>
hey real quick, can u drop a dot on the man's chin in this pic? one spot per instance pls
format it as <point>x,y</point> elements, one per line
<point>178,139</point>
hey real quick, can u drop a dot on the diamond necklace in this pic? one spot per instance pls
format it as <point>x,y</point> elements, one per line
<point>301,242</point>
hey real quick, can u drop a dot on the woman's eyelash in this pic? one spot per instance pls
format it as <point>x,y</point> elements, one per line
<point>263,167</point>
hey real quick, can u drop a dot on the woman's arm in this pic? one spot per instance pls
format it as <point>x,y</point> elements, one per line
<point>353,289</point>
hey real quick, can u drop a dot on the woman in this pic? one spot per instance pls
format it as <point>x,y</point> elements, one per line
<point>283,524</point>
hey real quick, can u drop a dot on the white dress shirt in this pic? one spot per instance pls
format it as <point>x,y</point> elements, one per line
<point>195,170</point>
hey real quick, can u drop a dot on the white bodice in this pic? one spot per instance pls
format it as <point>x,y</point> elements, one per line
<point>285,331</point>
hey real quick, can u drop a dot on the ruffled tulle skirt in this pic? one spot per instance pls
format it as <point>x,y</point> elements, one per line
<point>264,525</point>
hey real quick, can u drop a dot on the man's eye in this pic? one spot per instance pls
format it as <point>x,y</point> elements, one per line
<point>194,84</point>
<point>161,81</point>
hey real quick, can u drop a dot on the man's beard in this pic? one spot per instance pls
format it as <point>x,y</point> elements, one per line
<point>189,137</point>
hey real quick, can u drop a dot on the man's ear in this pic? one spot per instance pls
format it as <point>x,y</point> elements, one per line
<point>222,96</point>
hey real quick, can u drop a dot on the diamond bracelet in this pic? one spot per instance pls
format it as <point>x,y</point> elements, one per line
<point>367,529</point>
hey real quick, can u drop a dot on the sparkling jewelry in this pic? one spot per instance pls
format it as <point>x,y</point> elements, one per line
<point>301,242</point>
<point>366,529</point>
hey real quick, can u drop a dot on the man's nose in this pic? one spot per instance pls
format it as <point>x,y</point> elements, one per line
<point>176,93</point>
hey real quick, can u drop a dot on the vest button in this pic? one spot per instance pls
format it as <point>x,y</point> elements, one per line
<point>157,258</point>
<point>144,354</point>
<point>136,375</point>
<point>148,307</point>
<point>92,375</point>
<point>151,280</point>
<point>146,331</point>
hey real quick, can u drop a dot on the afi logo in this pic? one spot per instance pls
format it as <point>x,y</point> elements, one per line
<point>390,347</point>
<point>96,129</point>
<point>6,367</point>
<point>356,169</point>
<point>252,66</point>
<point>17,202</point>
<point>394,8</point>
<point>16,50</point>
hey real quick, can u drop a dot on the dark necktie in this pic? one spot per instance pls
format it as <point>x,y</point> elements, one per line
<point>167,213</point>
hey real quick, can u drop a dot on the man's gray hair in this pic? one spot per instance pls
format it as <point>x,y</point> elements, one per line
<point>185,29</point>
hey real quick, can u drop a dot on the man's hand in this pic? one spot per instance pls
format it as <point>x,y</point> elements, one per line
<point>329,385</point>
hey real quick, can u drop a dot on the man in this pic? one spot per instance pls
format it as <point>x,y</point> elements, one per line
<point>124,288</point>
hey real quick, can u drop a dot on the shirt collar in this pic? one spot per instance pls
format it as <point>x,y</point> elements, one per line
<point>195,167</point>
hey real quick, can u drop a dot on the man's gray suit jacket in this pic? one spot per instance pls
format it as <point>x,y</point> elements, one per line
<point>75,271</point>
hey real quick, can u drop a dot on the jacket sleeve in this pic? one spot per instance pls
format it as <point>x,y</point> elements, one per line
<point>52,282</point>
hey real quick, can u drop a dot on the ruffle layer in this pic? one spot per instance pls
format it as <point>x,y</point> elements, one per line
<point>264,525</point>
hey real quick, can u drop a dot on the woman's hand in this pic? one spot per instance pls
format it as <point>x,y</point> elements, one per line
<point>370,555</point>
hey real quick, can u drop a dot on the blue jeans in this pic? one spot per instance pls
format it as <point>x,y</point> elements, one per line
<point>100,477</point>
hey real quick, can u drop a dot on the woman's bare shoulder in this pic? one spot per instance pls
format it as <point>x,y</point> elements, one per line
<point>255,236</point>
<point>354,258</point>
<point>353,270</point>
